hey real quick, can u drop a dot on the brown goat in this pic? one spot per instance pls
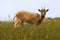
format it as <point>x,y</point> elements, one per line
<point>30,17</point>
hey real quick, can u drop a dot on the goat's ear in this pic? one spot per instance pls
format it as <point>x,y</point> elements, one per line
<point>39,10</point>
<point>47,10</point>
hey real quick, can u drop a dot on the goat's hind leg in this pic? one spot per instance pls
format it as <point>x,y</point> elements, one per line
<point>16,24</point>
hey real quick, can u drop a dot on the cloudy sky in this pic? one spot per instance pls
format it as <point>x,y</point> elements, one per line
<point>9,7</point>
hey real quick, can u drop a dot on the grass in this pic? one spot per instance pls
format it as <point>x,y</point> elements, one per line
<point>49,29</point>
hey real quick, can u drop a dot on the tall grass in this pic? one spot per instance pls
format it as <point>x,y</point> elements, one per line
<point>49,29</point>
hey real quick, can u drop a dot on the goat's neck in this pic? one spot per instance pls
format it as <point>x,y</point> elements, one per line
<point>41,18</point>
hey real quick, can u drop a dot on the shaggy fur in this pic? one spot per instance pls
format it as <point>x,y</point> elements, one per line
<point>30,17</point>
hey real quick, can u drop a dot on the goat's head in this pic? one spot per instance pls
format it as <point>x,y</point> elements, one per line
<point>43,11</point>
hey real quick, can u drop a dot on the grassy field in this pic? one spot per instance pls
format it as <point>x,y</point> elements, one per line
<point>49,29</point>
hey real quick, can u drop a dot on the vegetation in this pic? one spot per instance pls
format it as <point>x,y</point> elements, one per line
<point>49,29</point>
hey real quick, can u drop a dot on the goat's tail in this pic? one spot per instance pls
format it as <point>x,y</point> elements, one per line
<point>13,18</point>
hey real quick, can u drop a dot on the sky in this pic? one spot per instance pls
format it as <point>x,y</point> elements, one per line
<point>8,8</point>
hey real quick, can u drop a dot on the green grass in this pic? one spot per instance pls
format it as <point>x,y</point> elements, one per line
<point>49,29</point>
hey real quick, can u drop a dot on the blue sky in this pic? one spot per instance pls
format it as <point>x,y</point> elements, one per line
<point>9,7</point>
